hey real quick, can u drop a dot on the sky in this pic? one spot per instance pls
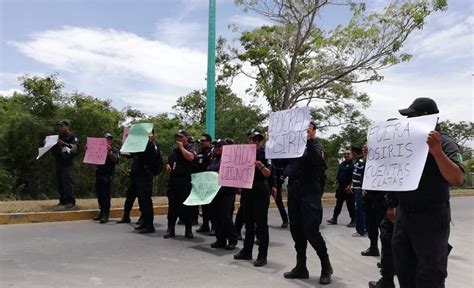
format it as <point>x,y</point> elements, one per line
<point>147,53</point>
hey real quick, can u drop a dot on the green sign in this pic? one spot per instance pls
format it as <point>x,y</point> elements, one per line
<point>205,188</point>
<point>137,138</point>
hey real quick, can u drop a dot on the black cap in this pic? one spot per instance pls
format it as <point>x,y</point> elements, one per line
<point>312,122</point>
<point>229,141</point>
<point>254,133</point>
<point>424,105</point>
<point>219,143</point>
<point>63,122</point>
<point>181,133</point>
<point>108,135</point>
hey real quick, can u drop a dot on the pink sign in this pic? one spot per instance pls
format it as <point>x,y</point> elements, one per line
<point>96,152</point>
<point>125,133</point>
<point>238,166</point>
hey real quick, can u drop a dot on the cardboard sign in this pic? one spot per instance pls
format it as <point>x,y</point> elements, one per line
<point>204,189</point>
<point>49,142</point>
<point>397,153</point>
<point>238,166</point>
<point>137,138</point>
<point>287,133</point>
<point>96,152</point>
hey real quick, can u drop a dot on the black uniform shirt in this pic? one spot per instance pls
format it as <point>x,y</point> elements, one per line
<point>306,168</point>
<point>260,157</point>
<point>60,152</point>
<point>179,165</point>
<point>202,161</point>
<point>215,164</point>
<point>344,174</point>
<point>109,167</point>
<point>142,162</point>
<point>433,188</point>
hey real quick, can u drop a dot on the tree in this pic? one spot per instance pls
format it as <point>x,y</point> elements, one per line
<point>233,118</point>
<point>44,93</point>
<point>297,63</point>
<point>461,132</point>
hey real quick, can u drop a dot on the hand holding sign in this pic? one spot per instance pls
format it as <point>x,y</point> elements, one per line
<point>96,152</point>
<point>49,142</point>
<point>204,189</point>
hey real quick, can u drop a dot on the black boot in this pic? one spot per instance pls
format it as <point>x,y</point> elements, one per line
<point>332,221</point>
<point>169,232</point>
<point>189,232</point>
<point>382,283</point>
<point>139,221</point>
<point>299,271</point>
<point>326,271</point>
<point>98,217</point>
<point>371,251</point>
<point>104,219</point>
<point>125,218</point>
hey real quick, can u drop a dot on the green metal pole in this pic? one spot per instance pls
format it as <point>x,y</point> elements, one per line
<point>211,72</point>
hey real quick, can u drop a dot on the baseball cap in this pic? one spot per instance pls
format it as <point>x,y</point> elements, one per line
<point>422,104</point>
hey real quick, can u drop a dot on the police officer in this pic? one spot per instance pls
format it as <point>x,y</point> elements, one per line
<point>179,186</point>
<point>223,203</point>
<point>387,269</point>
<point>342,186</point>
<point>103,179</point>
<point>255,204</point>
<point>421,233</point>
<point>64,152</point>
<point>356,188</point>
<point>277,179</point>
<point>305,210</point>
<point>201,163</point>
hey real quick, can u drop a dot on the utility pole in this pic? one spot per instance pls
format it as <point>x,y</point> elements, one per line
<point>211,72</point>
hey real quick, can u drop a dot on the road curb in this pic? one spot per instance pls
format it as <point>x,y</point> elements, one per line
<point>76,215</point>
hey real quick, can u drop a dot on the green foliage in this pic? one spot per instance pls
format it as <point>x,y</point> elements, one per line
<point>461,132</point>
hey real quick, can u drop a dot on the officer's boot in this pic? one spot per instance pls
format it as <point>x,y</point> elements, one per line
<point>125,218</point>
<point>300,271</point>
<point>332,221</point>
<point>105,218</point>
<point>189,232</point>
<point>169,232</point>
<point>382,283</point>
<point>98,217</point>
<point>326,270</point>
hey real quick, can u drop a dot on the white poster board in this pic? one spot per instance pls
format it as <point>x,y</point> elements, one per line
<point>397,153</point>
<point>49,142</point>
<point>287,133</point>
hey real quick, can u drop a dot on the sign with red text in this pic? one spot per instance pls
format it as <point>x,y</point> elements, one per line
<point>397,153</point>
<point>238,166</point>
<point>287,133</point>
<point>96,152</point>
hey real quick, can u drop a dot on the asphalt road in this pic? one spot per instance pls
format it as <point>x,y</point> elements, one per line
<point>87,254</point>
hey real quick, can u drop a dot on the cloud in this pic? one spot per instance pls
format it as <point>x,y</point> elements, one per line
<point>249,21</point>
<point>115,60</point>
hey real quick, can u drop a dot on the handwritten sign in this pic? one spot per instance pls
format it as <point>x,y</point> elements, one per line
<point>96,152</point>
<point>137,138</point>
<point>287,131</point>
<point>238,166</point>
<point>397,153</point>
<point>49,142</point>
<point>204,189</point>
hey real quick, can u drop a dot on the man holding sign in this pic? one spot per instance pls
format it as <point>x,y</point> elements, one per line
<point>103,179</point>
<point>421,233</point>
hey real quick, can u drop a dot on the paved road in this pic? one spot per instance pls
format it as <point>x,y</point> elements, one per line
<point>86,254</point>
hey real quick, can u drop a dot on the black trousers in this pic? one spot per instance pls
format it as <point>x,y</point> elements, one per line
<point>386,233</point>
<point>103,185</point>
<point>239,219</point>
<point>144,186</point>
<point>255,203</point>
<point>131,195</point>
<point>279,202</point>
<point>342,196</point>
<point>375,210</point>
<point>224,208</point>
<point>420,247</point>
<point>305,211</point>
<point>179,189</point>
<point>65,181</point>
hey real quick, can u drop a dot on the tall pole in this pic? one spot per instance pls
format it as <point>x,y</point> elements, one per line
<point>211,72</point>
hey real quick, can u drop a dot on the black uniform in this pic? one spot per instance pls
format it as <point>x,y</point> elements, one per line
<point>179,188</point>
<point>420,238</point>
<point>201,162</point>
<point>304,204</point>
<point>386,233</point>
<point>144,166</point>
<point>344,179</point>
<point>255,204</point>
<point>223,204</point>
<point>375,210</point>
<point>277,180</point>
<point>103,181</point>
<point>65,167</point>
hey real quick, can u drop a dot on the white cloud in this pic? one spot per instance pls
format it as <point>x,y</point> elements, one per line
<point>114,61</point>
<point>249,21</point>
